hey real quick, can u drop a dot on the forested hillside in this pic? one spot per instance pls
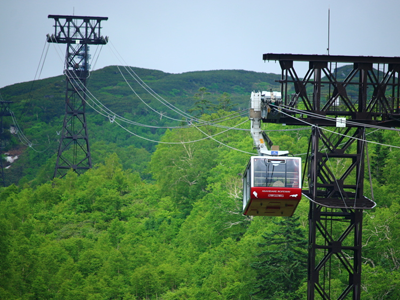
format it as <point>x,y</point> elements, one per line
<point>164,221</point>
<point>39,110</point>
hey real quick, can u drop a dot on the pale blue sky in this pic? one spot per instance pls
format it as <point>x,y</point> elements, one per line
<point>182,35</point>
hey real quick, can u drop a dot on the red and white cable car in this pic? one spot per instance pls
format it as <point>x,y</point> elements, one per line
<point>272,186</point>
<point>272,180</point>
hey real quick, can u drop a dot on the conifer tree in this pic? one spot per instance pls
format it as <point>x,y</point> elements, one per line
<point>379,159</point>
<point>282,265</point>
<point>201,105</point>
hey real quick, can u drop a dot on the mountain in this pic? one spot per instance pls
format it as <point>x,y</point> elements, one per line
<point>164,220</point>
<point>38,107</point>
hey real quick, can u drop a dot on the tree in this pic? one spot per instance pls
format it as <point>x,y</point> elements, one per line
<point>202,105</point>
<point>379,159</point>
<point>282,266</point>
<point>224,102</point>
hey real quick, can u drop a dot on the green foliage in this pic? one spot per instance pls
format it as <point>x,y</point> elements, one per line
<point>282,266</point>
<point>39,109</point>
<point>379,158</point>
<point>165,221</point>
<point>201,104</point>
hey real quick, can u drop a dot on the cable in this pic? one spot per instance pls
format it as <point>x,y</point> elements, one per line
<point>148,89</point>
<point>153,93</point>
<point>359,170</point>
<point>112,120</point>
<point>144,101</point>
<point>223,143</point>
<point>24,140</point>
<point>41,69</point>
<point>111,115</point>
<point>178,143</point>
<point>333,119</point>
<point>207,136</point>
<point>165,102</point>
<point>351,137</point>
<point>104,111</point>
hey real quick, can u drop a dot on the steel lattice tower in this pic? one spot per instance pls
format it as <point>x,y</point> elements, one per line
<point>368,94</point>
<point>78,33</point>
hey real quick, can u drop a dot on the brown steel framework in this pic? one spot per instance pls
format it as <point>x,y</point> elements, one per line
<point>78,33</point>
<point>339,97</point>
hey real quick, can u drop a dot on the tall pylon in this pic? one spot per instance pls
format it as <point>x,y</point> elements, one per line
<point>78,32</point>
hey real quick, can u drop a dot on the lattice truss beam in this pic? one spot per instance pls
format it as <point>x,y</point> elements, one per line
<point>334,251</point>
<point>77,29</point>
<point>336,183</point>
<point>74,149</point>
<point>369,92</point>
<point>336,168</point>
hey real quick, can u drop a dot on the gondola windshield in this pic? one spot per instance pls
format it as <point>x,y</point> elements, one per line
<point>276,172</point>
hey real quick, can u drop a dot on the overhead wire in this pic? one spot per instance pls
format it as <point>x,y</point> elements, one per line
<point>39,69</point>
<point>113,116</point>
<point>152,92</point>
<point>230,147</point>
<point>107,112</point>
<point>147,88</point>
<point>40,61</point>
<point>291,109</point>
<point>363,140</point>
<point>338,133</point>
<point>165,102</point>
<point>147,105</point>
<point>22,137</point>
<point>162,142</point>
<point>183,142</point>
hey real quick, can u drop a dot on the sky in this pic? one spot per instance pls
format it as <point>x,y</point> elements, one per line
<point>189,35</point>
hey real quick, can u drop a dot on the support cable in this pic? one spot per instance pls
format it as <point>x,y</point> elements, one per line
<point>334,176</point>
<point>166,103</point>
<point>148,89</point>
<point>209,136</point>
<point>113,120</point>
<point>359,169</point>
<point>338,133</point>
<point>21,136</point>
<point>152,92</point>
<point>369,173</point>
<point>111,115</point>
<point>294,110</point>
<point>187,142</point>
<point>147,105</point>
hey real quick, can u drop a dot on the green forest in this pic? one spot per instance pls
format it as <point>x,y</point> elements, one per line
<point>164,220</point>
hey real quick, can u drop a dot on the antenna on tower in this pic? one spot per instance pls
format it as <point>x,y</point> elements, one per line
<point>329,28</point>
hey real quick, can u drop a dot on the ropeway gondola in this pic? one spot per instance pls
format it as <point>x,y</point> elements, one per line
<point>272,180</point>
<point>272,186</point>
